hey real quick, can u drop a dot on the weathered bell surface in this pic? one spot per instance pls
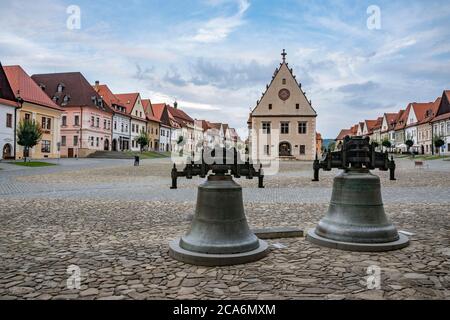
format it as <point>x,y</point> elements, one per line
<point>356,219</point>
<point>219,224</point>
<point>219,233</point>
<point>356,212</point>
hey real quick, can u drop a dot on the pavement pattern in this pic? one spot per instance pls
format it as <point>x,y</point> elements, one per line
<point>113,221</point>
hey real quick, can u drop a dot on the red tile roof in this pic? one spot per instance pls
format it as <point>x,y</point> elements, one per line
<point>109,97</point>
<point>179,116</point>
<point>158,109</point>
<point>204,124</point>
<point>75,87</point>
<point>128,100</point>
<point>378,123</point>
<point>442,117</point>
<point>147,104</point>
<point>24,87</point>
<point>9,103</point>
<point>426,112</point>
<point>402,118</point>
<point>419,110</point>
<point>370,125</point>
<point>318,136</point>
<point>390,119</point>
<point>343,134</point>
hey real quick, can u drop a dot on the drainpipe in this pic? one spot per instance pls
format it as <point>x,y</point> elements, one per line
<point>81,133</point>
<point>20,101</point>
<point>432,140</point>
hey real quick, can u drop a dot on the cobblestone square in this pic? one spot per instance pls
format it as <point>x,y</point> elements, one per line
<point>114,222</point>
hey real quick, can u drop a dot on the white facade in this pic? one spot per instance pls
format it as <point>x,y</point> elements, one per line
<point>411,128</point>
<point>138,123</point>
<point>175,133</point>
<point>442,129</point>
<point>121,132</point>
<point>164,139</point>
<point>7,121</point>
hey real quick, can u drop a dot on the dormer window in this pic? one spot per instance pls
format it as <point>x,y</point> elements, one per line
<point>55,99</point>
<point>42,86</point>
<point>66,99</point>
<point>60,87</point>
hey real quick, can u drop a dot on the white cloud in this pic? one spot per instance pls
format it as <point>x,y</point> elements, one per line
<point>219,28</point>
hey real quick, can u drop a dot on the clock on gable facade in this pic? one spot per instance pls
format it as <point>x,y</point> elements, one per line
<point>284,94</point>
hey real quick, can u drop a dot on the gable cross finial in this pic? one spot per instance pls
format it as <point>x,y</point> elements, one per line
<point>284,54</point>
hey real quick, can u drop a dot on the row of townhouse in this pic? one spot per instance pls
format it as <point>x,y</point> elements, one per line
<point>78,118</point>
<point>420,123</point>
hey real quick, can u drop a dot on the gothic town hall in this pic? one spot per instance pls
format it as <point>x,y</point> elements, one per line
<point>283,111</point>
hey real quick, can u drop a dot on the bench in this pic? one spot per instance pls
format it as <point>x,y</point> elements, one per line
<point>419,164</point>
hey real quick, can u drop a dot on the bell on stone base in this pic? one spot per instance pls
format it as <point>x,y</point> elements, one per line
<point>219,232</point>
<point>356,219</point>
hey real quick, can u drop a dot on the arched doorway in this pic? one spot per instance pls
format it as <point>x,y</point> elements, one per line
<point>114,145</point>
<point>7,151</point>
<point>284,149</point>
<point>106,145</point>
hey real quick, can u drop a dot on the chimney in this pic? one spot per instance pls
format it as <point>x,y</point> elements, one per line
<point>175,104</point>
<point>97,84</point>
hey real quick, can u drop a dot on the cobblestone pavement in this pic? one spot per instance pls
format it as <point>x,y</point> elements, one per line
<point>117,229</point>
<point>151,182</point>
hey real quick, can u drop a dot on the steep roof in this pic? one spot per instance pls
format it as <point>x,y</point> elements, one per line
<point>427,111</point>
<point>443,111</point>
<point>370,125</point>
<point>147,104</point>
<point>24,87</point>
<point>354,130</point>
<point>419,109</point>
<point>343,134</point>
<point>128,100</point>
<point>75,87</point>
<point>390,119</point>
<point>7,96</point>
<point>109,97</point>
<point>285,65</point>
<point>378,123</point>
<point>204,124</point>
<point>158,109</point>
<point>401,118</point>
<point>180,116</point>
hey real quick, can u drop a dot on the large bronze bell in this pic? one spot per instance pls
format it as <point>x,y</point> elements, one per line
<point>356,219</point>
<point>219,233</point>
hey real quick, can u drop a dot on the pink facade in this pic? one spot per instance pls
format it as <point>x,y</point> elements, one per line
<point>86,121</point>
<point>84,130</point>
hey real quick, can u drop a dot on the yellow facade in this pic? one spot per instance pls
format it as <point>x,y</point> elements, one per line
<point>51,135</point>
<point>153,134</point>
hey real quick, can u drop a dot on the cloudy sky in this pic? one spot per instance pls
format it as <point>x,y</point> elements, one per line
<point>215,56</point>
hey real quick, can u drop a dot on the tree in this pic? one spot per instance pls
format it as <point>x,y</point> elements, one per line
<point>386,143</point>
<point>375,144</point>
<point>143,140</point>
<point>332,146</point>
<point>438,142</point>
<point>409,143</point>
<point>29,133</point>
